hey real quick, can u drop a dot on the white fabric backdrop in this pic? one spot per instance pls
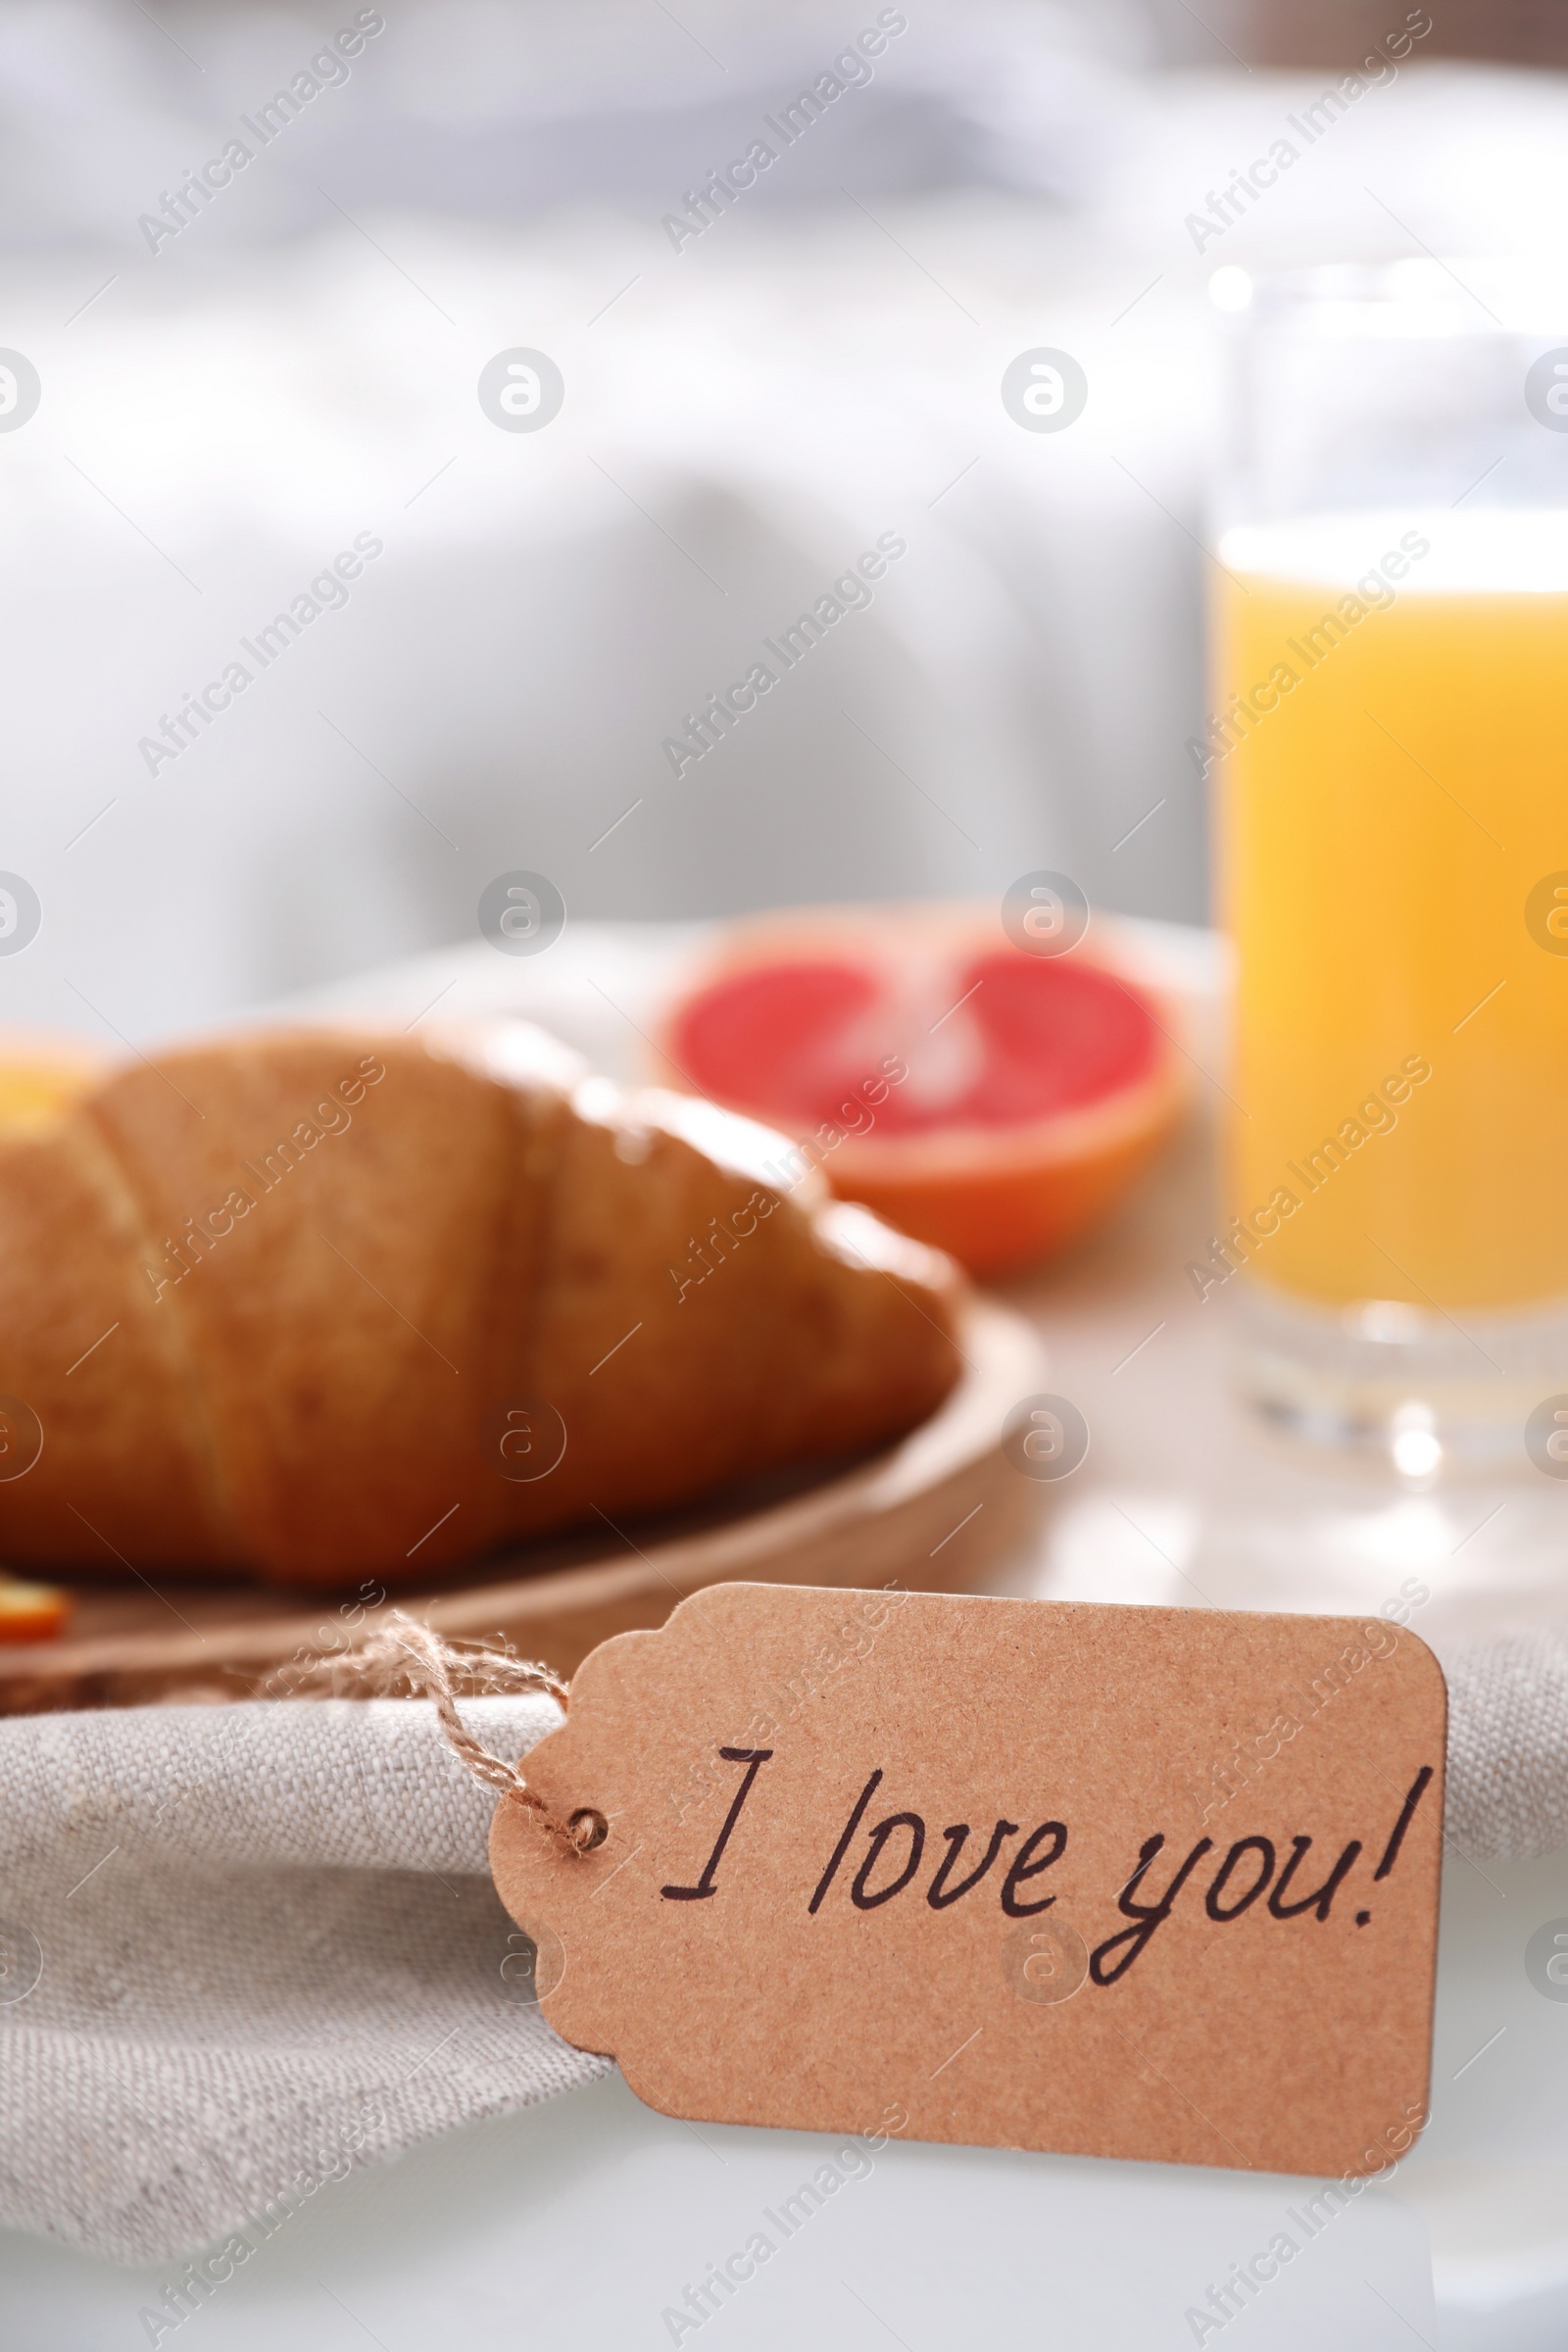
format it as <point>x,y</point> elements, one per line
<point>743,417</point>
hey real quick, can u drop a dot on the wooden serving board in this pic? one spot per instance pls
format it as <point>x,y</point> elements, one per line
<point>933,1511</point>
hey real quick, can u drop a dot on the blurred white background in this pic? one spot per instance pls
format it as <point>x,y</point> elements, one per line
<point>743,416</point>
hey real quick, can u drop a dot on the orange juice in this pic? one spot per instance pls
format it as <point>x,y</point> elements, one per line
<point>1390,753</point>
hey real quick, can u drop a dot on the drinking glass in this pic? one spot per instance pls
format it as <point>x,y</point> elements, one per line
<point>1389,752</point>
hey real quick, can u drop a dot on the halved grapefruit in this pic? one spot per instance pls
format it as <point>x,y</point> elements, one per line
<point>994,1102</point>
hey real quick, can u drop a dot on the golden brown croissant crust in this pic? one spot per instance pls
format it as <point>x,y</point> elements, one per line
<point>314,1302</point>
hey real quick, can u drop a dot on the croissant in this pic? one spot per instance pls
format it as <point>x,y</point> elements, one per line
<point>310,1303</point>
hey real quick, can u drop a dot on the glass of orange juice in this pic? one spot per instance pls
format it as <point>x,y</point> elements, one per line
<point>1389,750</point>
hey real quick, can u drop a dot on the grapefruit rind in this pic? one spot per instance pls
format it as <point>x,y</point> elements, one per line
<point>32,1613</point>
<point>42,1072</point>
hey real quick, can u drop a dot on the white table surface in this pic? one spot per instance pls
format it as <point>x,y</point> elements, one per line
<point>580,2224</point>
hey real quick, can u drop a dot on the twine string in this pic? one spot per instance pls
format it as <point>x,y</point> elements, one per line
<point>400,1654</point>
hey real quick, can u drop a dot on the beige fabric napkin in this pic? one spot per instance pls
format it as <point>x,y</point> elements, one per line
<point>244,1948</point>
<point>1508,1743</point>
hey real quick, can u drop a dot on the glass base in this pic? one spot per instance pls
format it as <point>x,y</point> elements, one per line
<point>1423,1389</point>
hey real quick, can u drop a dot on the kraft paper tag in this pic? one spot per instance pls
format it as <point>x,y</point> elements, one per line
<point>1141,1882</point>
